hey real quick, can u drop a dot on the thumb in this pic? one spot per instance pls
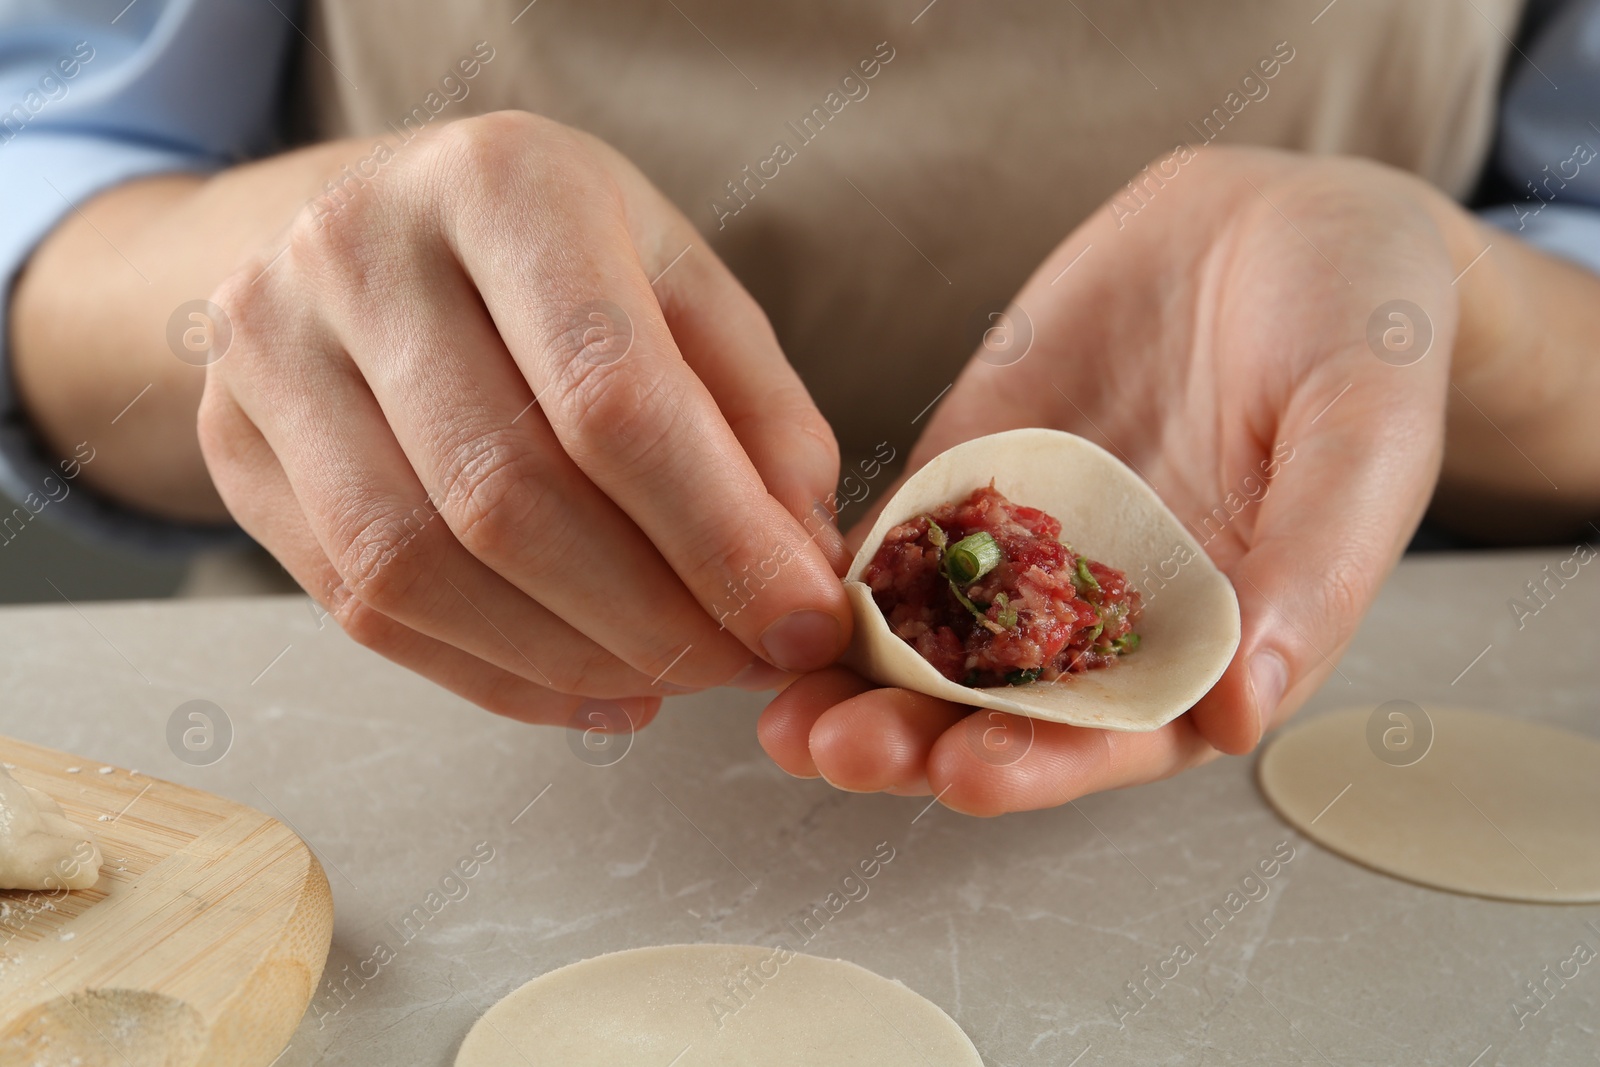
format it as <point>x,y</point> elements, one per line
<point>1351,485</point>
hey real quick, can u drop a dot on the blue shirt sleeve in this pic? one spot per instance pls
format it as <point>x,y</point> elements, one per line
<point>1549,143</point>
<point>95,94</point>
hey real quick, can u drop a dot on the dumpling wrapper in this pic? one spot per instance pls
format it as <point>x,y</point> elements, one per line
<point>1189,626</point>
<point>1492,805</point>
<point>40,848</point>
<point>715,1006</point>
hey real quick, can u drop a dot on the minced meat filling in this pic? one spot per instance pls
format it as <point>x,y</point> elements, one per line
<point>985,591</point>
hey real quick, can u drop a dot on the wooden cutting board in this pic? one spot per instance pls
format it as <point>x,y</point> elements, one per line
<point>201,944</point>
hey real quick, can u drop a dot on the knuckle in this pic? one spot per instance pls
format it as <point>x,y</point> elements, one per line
<point>247,306</point>
<point>711,556</point>
<point>362,623</point>
<point>327,240</point>
<point>273,319</point>
<point>482,145</point>
<point>1346,582</point>
<point>497,154</point>
<point>587,671</point>
<point>792,405</point>
<point>814,426</point>
<point>509,695</point>
<point>496,496</point>
<point>488,138</point>
<point>1346,588</point>
<point>235,454</point>
<point>214,427</point>
<point>1110,760</point>
<point>378,563</point>
<point>616,419</point>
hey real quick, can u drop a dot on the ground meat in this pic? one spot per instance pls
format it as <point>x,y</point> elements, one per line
<point>1043,615</point>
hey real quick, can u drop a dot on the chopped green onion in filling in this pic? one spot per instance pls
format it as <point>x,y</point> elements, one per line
<point>1039,570</point>
<point>977,613</point>
<point>1008,614</point>
<point>972,557</point>
<point>1085,579</point>
<point>964,563</point>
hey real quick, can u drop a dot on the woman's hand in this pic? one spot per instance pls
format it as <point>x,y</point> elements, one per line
<point>503,413</point>
<point>1216,338</point>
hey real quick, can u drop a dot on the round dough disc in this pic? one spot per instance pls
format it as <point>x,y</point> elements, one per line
<point>645,1006</point>
<point>1453,799</point>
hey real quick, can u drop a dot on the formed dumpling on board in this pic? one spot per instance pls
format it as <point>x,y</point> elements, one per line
<point>40,848</point>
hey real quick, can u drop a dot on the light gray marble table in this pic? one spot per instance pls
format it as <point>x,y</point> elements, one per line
<point>1026,929</point>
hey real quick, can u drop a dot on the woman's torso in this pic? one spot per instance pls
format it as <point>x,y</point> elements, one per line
<point>917,200</point>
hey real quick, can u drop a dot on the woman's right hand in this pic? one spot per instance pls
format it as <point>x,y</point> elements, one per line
<point>503,413</point>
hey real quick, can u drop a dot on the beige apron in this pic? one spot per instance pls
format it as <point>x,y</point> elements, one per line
<point>911,202</point>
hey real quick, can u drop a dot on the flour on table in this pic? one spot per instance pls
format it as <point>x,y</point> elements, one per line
<point>39,847</point>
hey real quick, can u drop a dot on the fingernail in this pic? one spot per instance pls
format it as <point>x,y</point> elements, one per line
<point>844,788</point>
<point>1269,676</point>
<point>759,675</point>
<point>802,641</point>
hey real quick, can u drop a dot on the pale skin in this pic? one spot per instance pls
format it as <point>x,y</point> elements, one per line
<point>1191,341</point>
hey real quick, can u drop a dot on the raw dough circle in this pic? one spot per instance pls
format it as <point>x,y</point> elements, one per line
<point>646,1006</point>
<point>1493,806</point>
